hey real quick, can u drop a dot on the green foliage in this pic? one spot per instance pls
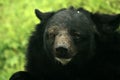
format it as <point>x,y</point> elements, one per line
<point>17,20</point>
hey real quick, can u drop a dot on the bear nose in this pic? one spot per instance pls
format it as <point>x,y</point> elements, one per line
<point>62,52</point>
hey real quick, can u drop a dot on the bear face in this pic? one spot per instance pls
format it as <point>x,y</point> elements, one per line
<point>69,33</point>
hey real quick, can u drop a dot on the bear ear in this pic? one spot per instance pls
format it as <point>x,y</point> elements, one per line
<point>71,7</point>
<point>43,16</point>
<point>106,23</point>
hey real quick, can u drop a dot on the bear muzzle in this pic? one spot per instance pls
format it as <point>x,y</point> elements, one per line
<point>64,49</point>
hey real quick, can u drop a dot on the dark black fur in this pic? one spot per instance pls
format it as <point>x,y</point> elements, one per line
<point>108,44</point>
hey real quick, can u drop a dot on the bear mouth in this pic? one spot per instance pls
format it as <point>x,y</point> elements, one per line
<point>63,61</point>
<point>63,57</point>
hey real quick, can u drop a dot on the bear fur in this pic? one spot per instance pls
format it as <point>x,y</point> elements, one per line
<point>108,44</point>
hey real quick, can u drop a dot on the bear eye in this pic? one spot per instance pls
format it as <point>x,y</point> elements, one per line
<point>51,35</point>
<point>75,35</point>
<point>51,32</point>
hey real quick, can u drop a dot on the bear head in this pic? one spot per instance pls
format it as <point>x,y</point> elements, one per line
<point>68,33</point>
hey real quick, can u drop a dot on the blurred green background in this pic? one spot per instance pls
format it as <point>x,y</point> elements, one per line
<point>17,21</point>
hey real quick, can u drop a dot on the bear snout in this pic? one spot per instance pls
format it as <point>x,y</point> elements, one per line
<point>63,46</point>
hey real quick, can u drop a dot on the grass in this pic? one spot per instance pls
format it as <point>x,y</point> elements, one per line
<point>17,21</point>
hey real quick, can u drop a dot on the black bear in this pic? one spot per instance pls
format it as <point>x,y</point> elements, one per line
<point>60,47</point>
<point>72,44</point>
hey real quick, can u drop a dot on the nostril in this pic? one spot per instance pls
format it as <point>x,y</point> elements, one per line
<point>62,50</point>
